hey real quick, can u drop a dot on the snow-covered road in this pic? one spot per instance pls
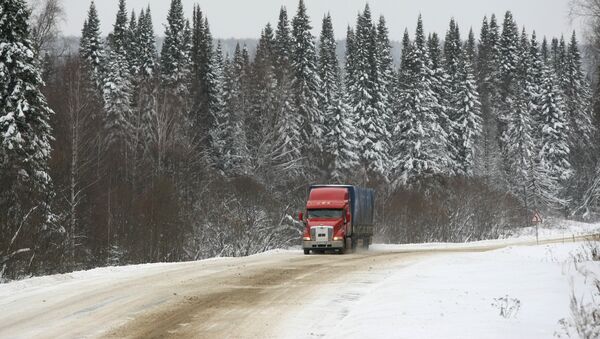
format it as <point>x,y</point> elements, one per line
<point>407,291</point>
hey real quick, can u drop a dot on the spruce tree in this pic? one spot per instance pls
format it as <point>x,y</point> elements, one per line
<point>340,134</point>
<point>554,152</point>
<point>421,141</point>
<point>146,42</point>
<point>132,47</point>
<point>306,85</point>
<point>368,99</point>
<point>147,64</point>
<point>283,46</point>
<point>91,50</point>
<point>470,49</point>
<point>203,77</point>
<point>260,123</point>
<point>578,98</point>
<point>25,137</point>
<point>487,84</point>
<point>175,53</point>
<point>510,99</point>
<point>118,39</point>
<point>466,120</point>
<point>329,71</point>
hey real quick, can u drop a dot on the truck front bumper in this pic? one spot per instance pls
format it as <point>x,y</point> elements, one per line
<point>322,245</point>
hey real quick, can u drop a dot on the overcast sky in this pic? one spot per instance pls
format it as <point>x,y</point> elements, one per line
<point>245,18</point>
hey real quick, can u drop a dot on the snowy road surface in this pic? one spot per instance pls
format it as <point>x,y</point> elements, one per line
<point>413,291</point>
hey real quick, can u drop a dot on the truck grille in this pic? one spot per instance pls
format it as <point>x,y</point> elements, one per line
<point>321,233</point>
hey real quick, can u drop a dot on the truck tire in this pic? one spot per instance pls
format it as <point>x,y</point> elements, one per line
<point>306,252</point>
<point>348,245</point>
<point>366,243</point>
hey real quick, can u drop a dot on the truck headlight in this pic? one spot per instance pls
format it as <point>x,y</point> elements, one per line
<point>306,238</point>
<point>338,238</point>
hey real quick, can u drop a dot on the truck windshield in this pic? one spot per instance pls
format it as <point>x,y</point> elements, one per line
<point>325,214</point>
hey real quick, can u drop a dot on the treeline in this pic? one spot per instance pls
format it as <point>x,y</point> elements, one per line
<point>188,153</point>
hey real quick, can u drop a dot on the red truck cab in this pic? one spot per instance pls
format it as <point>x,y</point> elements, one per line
<point>338,217</point>
<point>328,219</point>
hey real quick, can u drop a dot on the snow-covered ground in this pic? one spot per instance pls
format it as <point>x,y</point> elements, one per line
<point>505,288</point>
<point>514,292</point>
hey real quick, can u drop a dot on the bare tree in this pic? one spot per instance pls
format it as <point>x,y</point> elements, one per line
<point>45,20</point>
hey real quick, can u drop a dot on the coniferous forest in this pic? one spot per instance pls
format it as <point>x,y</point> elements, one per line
<point>126,153</point>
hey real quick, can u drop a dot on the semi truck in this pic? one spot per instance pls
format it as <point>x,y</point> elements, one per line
<point>337,218</point>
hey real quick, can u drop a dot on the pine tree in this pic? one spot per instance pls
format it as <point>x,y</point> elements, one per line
<point>386,76</point>
<point>470,49</point>
<point>329,71</point>
<point>283,46</point>
<point>488,162</point>
<point>175,54</point>
<point>349,74</point>
<point>260,123</point>
<point>368,98</point>
<point>544,50</point>
<point>403,74</point>
<point>421,141</point>
<point>452,52</point>
<point>467,118</point>
<point>306,85</point>
<point>452,89</point>
<point>578,98</point>
<point>132,47</point>
<point>117,100</point>
<point>147,70</point>
<point>225,153</point>
<point>287,144</point>
<point>118,39</point>
<point>91,50</point>
<point>554,152</point>
<point>340,146</point>
<point>25,137</point>
<point>147,45</point>
<point>510,99</point>
<point>203,77</point>
<point>117,85</point>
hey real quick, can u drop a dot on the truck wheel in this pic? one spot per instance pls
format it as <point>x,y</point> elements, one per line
<point>348,245</point>
<point>306,252</point>
<point>366,243</point>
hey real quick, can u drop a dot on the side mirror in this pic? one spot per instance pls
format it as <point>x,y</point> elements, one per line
<point>347,216</point>
<point>300,216</point>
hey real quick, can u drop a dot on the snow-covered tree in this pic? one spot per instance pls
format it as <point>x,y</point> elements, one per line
<point>202,87</point>
<point>470,49</point>
<point>369,99</point>
<point>421,141</point>
<point>329,70</point>
<point>283,46</point>
<point>306,85</point>
<point>508,72</point>
<point>118,39</point>
<point>261,120</point>
<point>554,151</point>
<point>386,82</point>
<point>466,110</point>
<point>91,50</point>
<point>25,137</point>
<point>117,86</point>
<point>147,74</point>
<point>175,53</point>
<point>132,45</point>
<point>578,98</point>
<point>340,146</point>
<point>228,136</point>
